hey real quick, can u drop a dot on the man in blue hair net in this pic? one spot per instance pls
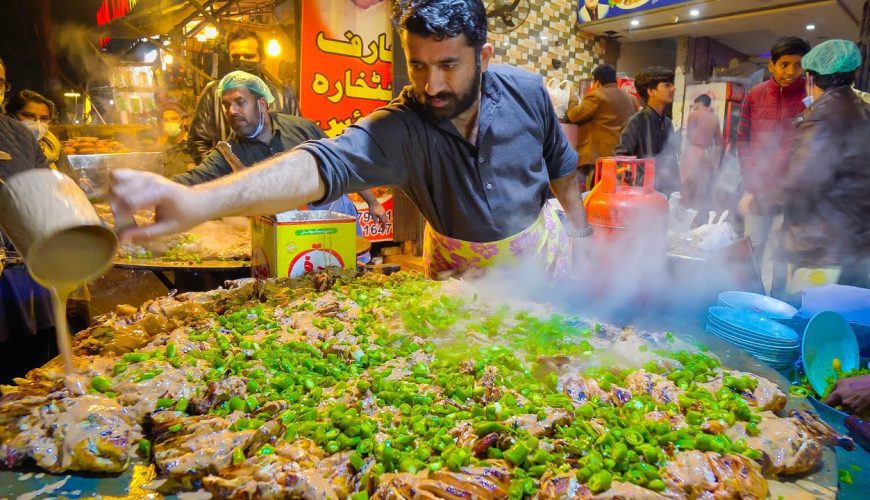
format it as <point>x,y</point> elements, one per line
<point>258,134</point>
<point>826,227</point>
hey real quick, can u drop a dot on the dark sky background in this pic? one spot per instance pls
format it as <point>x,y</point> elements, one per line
<point>28,44</point>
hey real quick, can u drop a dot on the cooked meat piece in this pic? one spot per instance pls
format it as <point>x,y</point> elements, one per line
<point>826,434</point>
<point>627,491</point>
<point>490,381</point>
<point>677,421</point>
<point>339,473</point>
<point>109,339</point>
<point>701,475</point>
<point>662,390</point>
<point>464,434</point>
<point>202,445</point>
<point>402,486</point>
<point>562,486</point>
<point>581,390</point>
<point>535,427</point>
<point>620,395</point>
<point>472,482</point>
<point>690,472</point>
<point>87,433</point>
<point>484,443</point>
<point>269,476</point>
<point>766,396</point>
<point>738,476</point>
<point>219,391</point>
<point>788,445</point>
<point>141,397</point>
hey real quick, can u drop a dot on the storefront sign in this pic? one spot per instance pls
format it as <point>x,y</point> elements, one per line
<point>597,10</point>
<point>371,229</point>
<point>346,65</point>
<point>113,9</point>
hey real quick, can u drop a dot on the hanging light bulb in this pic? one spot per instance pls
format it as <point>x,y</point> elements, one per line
<point>210,32</point>
<point>273,48</point>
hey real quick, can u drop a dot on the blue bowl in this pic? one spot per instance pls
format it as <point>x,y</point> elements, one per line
<point>761,304</point>
<point>827,337</point>
<point>753,324</point>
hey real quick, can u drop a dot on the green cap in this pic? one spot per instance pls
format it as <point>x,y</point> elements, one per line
<point>242,80</point>
<point>833,56</point>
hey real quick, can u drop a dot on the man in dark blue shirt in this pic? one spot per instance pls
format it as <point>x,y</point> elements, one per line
<point>476,147</point>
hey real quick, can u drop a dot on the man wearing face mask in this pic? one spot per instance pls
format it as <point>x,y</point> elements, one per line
<point>258,134</point>
<point>36,112</point>
<point>173,141</point>
<point>209,125</point>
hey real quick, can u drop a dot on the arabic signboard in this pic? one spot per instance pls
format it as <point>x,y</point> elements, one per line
<point>346,63</point>
<point>597,10</point>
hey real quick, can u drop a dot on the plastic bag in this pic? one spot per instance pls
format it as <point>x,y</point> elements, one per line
<point>714,235</point>
<point>560,94</point>
<point>679,217</point>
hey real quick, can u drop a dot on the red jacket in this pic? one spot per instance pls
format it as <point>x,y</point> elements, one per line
<point>765,131</point>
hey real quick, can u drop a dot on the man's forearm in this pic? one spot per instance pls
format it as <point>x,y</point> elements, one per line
<point>278,184</point>
<point>567,191</point>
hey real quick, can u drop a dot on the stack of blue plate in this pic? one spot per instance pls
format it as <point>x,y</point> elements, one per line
<point>761,304</point>
<point>777,345</point>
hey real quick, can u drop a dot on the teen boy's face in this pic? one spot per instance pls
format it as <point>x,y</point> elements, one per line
<point>663,92</point>
<point>786,70</point>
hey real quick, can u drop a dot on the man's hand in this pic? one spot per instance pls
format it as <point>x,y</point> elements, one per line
<point>853,394</point>
<point>176,207</point>
<point>378,212</point>
<point>744,206</point>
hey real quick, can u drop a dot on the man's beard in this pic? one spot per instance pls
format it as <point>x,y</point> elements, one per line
<point>456,103</point>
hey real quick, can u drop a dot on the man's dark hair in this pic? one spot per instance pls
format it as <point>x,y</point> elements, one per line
<point>833,80</point>
<point>650,78</point>
<point>16,102</point>
<point>241,34</point>
<point>441,19</point>
<point>604,74</point>
<point>704,99</point>
<point>789,46</point>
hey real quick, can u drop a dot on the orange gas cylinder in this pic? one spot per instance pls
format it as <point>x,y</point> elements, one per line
<point>616,207</point>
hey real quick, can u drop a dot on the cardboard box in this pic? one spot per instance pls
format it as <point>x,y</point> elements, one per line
<point>300,241</point>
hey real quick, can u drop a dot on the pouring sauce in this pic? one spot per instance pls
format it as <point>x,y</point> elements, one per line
<point>70,259</point>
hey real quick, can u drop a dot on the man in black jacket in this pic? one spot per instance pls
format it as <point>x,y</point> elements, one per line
<point>26,321</point>
<point>209,125</point>
<point>649,133</point>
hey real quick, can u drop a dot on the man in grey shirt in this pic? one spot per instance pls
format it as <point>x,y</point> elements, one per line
<point>477,148</point>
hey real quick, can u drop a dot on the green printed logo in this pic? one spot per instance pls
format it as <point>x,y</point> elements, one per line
<point>313,232</point>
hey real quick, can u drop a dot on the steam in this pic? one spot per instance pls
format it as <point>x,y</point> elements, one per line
<point>77,45</point>
<point>629,277</point>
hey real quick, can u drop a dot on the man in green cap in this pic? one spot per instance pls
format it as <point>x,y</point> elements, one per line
<point>258,134</point>
<point>826,227</point>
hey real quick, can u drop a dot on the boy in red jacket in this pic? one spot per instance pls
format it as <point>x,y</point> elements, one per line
<point>765,130</point>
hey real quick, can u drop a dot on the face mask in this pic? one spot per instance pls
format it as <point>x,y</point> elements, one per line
<point>808,101</point>
<point>260,125</point>
<point>246,66</point>
<point>38,129</point>
<point>172,129</point>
